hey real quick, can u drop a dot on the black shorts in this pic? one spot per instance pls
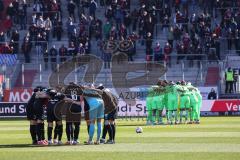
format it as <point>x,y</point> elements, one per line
<point>39,112</point>
<point>86,110</point>
<point>51,115</point>
<point>73,113</point>
<point>111,116</point>
<point>30,114</point>
<point>76,109</point>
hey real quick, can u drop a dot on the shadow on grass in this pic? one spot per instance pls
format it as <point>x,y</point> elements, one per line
<point>25,146</point>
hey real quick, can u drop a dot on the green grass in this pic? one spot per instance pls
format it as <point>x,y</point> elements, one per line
<point>215,138</point>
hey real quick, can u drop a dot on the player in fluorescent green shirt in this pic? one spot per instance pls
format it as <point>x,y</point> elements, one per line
<point>150,106</point>
<point>155,102</point>
<point>193,102</point>
<point>172,102</point>
<point>199,96</point>
<point>184,102</point>
<point>159,101</point>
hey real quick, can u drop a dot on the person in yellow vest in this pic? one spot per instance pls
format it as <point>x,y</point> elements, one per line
<point>229,80</point>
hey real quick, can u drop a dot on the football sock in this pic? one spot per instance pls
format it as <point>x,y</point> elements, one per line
<point>154,116</point>
<point>167,115</point>
<point>104,132</point>
<point>186,115</point>
<point>99,129</point>
<point>60,132</point>
<point>68,130</point>
<point>149,118</point>
<point>56,130</point>
<point>42,131</point>
<point>175,116</point>
<point>110,132</point>
<point>113,131</point>
<point>33,132</point>
<point>170,116</point>
<point>49,132</point>
<point>160,116</point>
<point>76,130</point>
<point>181,115</point>
<point>38,130</point>
<point>88,126</point>
<point>91,131</point>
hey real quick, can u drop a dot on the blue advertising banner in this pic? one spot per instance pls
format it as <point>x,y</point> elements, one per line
<point>12,109</point>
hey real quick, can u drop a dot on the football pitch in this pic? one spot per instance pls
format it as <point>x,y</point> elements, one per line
<point>215,138</point>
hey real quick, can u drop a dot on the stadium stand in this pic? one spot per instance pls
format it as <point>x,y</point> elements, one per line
<point>193,39</point>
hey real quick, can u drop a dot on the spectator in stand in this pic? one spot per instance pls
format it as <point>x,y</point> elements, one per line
<point>71,10</point>
<point>72,51</point>
<point>149,50</point>
<point>118,17</point>
<point>21,15</point>
<point>235,79</point>
<point>81,50</point>
<point>6,49</point>
<point>63,53</point>
<point>10,11</point>
<point>38,44</point>
<point>45,59</point>
<point>170,36</point>
<point>92,8</point>
<point>98,30</point>
<point>26,49</point>
<point>48,27</point>
<point>106,29</point>
<point>70,27</point>
<point>1,8</point>
<point>127,20</point>
<point>167,53</point>
<point>15,38</point>
<point>53,54</point>
<point>57,29</point>
<point>2,37</point>
<point>158,53</point>
<point>180,51</point>
<point>212,95</point>
<point>38,7</point>
<point>8,25</point>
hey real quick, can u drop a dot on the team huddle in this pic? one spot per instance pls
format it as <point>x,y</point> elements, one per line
<point>182,103</point>
<point>72,103</point>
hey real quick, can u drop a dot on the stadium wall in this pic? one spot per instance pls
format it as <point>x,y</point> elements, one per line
<point>13,109</point>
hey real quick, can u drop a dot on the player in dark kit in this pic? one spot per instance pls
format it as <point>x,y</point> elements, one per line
<point>31,116</point>
<point>40,102</point>
<point>109,116</point>
<point>53,117</point>
<point>73,117</point>
<point>109,127</point>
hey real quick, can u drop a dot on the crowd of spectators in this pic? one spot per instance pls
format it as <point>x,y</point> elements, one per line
<point>161,27</point>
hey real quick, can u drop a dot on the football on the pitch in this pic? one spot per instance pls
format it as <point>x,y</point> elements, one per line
<point>139,130</point>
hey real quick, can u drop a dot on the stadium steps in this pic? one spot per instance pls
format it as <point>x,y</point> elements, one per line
<point>105,77</point>
<point>212,77</point>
